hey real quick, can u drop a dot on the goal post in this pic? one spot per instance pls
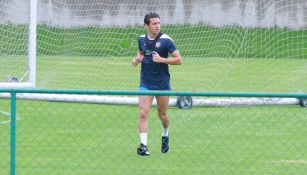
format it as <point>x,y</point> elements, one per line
<point>32,42</point>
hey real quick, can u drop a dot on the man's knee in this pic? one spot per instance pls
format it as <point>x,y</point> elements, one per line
<point>143,114</point>
<point>162,115</point>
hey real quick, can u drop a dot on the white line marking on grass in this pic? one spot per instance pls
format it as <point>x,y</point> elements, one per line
<point>7,114</point>
<point>292,161</point>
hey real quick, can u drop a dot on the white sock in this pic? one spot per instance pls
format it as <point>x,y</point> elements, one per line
<point>143,138</point>
<point>164,131</point>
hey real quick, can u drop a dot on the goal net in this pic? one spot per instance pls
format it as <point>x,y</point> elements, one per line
<point>17,43</point>
<point>246,46</point>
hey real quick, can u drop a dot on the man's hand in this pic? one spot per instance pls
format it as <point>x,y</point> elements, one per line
<point>139,57</point>
<point>156,58</point>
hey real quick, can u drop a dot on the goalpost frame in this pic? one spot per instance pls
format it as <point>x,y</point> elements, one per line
<point>32,42</point>
<point>31,51</point>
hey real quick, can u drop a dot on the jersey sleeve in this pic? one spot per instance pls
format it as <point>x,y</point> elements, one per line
<point>171,47</point>
<point>140,44</point>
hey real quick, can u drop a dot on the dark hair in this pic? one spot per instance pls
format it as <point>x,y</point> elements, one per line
<point>150,15</point>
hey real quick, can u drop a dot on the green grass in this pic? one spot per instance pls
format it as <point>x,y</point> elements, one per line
<point>193,40</point>
<point>196,73</point>
<point>74,138</point>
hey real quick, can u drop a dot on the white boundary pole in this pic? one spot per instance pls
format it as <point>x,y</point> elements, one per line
<point>16,85</point>
<point>32,43</point>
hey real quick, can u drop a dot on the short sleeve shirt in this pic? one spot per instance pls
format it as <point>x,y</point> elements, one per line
<point>155,76</point>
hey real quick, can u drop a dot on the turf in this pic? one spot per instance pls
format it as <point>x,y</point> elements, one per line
<point>74,138</point>
<point>196,73</point>
<point>200,40</point>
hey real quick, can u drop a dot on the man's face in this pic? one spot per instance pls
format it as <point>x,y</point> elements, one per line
<point>154,26</point>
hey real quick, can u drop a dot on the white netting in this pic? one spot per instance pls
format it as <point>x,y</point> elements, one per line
<point>226,45</point>
<point>13,41</point>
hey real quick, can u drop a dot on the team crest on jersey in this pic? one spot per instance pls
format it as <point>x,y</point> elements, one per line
<point>158,44</point>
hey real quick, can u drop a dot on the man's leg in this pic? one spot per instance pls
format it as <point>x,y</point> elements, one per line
<point>162,102</point>
<point>144,107</point>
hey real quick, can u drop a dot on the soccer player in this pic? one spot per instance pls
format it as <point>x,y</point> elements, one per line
<point>154,48</point>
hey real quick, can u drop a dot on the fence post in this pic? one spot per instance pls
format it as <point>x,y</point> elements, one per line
<point>13,134</point>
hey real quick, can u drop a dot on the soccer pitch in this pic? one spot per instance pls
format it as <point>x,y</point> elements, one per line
<point>74,138</point>
<point>196,73</point>
<point>79,138</point>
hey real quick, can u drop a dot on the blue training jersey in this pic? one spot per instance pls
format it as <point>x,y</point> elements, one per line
<point>155,76</point>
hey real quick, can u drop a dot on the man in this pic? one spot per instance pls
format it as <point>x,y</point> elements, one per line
<point>154,48</point>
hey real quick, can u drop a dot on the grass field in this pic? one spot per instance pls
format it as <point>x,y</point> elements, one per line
<point>89,139</point>
<point>75,138</point>
<point>196,73</point>
<point>200,40</point>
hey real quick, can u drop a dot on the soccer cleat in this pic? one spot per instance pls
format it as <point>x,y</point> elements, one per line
<point>165,144</point>
<point>143,150</point>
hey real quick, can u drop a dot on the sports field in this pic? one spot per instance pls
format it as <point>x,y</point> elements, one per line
<point>196,73</point>
<point>76,138</point>
<point>192,40</point>
<point>73,138</point>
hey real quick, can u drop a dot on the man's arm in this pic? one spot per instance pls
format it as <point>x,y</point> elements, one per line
<point>175,59</point>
